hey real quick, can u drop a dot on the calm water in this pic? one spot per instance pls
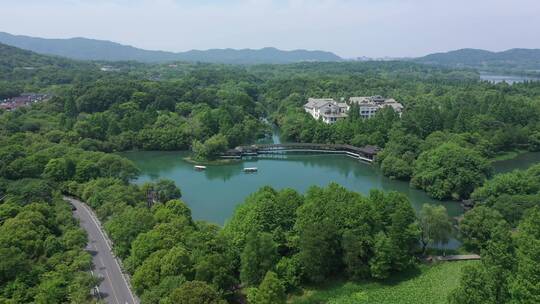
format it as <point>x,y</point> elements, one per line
<point>214,193</point>
<point>522,161</point>
<point>510,79</point>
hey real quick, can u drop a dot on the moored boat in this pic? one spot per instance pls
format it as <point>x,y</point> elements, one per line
<point>250,170</point>
<point>197,167</point>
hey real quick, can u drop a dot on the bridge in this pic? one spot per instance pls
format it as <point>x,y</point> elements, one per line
<point>366,153</point>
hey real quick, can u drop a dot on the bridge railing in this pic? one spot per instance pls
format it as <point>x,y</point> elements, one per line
<point>368,152</point>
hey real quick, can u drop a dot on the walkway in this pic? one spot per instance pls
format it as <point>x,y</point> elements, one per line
<point>366,153</point>
<point>114,288</point>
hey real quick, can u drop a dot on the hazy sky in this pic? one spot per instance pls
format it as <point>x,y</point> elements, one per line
<point>349,28</point>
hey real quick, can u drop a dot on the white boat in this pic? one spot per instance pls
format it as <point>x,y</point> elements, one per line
<point>200,167</point>
<point>253,169</point>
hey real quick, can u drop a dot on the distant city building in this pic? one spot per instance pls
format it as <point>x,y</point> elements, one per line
<point>326,109</point>
<point>369,105</point>
<point>22,100</point>
<point>109,68</point>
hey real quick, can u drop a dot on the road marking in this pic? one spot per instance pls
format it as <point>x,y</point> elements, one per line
<point>112,287</point>
<point>98,226</point>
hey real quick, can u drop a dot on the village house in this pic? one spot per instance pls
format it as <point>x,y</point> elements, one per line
<point>369,105</point>
<point>327,109</point>
<point>331,111</point>
<point>23,100</point>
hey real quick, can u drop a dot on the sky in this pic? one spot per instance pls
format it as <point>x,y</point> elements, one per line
<point>349,28</point>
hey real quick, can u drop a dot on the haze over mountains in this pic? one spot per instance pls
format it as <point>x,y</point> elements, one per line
<point>522,59</point>
<point>90,49</point>
<point>513,60</point>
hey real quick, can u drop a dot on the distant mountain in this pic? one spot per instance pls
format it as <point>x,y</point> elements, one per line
<point>527,60</point>
<point>90,49</point>
<point>12,58</point>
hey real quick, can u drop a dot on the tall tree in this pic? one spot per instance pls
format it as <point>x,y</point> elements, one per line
<point>258,257</point>
<point>525,286</point>
<point>477,227</point>
<point>195,292</point>
<point>271,291</point>
<point>435,225</point>
<point>450,171</point>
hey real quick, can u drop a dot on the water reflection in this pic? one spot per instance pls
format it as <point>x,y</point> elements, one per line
<point>214,193</point>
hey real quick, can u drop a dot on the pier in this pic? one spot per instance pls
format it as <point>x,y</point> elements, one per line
<point>366,153</point>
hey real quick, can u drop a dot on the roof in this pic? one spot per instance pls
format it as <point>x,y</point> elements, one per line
<point>322,102</point>
<point>361,99</point>
<point>318,102</point>
<point>377,101</point>
<point>370,149</point>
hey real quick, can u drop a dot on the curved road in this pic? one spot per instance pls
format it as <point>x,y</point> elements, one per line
<point>114,288</point>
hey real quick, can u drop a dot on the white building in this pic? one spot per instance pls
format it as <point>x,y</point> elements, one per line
<point>327,109</point>
<point>369,105</point>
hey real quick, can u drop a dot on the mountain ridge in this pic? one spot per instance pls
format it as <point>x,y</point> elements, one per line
<point>92,49</point>
<point>516,58</point>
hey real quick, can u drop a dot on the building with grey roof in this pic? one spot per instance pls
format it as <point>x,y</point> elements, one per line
<point>326,109</point>
<point>369,105</point>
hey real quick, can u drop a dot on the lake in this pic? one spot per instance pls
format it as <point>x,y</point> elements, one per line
<point>510,79</point>
<point>214,193</point>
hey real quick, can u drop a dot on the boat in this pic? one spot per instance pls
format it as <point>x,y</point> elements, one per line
<point>250,170</point>
<point>197,167</point>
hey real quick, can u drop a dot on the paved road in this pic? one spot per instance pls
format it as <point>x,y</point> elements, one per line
<point>114,288</point>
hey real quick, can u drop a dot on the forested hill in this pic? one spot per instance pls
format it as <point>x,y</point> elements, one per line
<point>513,59</point>
<point>90,49</point>
<point>12,58</point>
<point>22,70</point>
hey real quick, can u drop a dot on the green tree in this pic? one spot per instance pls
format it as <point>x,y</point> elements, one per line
<point>271,291</point>
<point>475,287</point>
<point>165,189</point>
<point>534,141</point>
<point>477,227</point>
<point>289,270</point>
<point>211,148</point>
<point>396,168</point>
<point>357,246</point>
<point>435,225</point>
<point>195,292</point>
<point>126,226</point>
<point>380,264</point>
<point>319,247</point>
<point>258,257</point>
<point>450,171</point>
<point>51,290</point>
<point>525,287</point>
<point>12,263</point>
<point>59,169</point>
<point>487,281</point>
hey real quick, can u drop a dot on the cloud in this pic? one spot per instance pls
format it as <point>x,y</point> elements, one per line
<point>347,27</point>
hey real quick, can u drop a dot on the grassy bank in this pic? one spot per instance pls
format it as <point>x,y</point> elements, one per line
<point>426,285</point>
<point>508,155</point>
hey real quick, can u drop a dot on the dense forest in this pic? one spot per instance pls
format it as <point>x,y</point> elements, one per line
<point>277,241</point>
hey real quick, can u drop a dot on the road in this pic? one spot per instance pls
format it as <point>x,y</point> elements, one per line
<point>114,288</point>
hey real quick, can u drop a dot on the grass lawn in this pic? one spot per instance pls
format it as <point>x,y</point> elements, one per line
<point>426,285</point>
